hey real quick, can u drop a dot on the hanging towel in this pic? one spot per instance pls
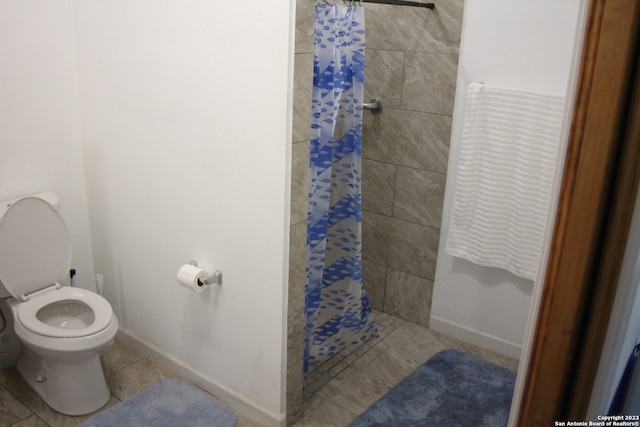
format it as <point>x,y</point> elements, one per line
<point>503,185</point>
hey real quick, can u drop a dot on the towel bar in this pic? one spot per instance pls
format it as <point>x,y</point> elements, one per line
<point>375,106</point>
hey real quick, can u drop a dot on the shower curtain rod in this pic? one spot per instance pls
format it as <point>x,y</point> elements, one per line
<point>402,3</point>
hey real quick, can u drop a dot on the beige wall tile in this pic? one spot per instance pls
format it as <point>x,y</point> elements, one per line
<point>305,10</point>
<point>294,392</point>
<point>408,297</point>
<point>295,331</point>
<point>378,180</point>
<point>297,259</point>
<point>407,138</point>
<point>415,29</point>
<point>373,277</point>
<point>383,76</point>
<point>419,196</point>
<point>429,82</point>
<point>302,95</point>
<point>299,181</point>
<point>399,244</point>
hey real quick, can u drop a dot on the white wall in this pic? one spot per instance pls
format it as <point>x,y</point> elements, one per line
<point>623,332</point>
<point>184,122</point>
<point>40,145</point>
<point>521,45</point>
<point>185,128</point>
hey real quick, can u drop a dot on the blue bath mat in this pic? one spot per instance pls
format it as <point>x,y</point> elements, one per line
<point>168,403</point>
<point>451,389</point>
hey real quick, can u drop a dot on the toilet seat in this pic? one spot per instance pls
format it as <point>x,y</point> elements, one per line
<point>28,312</point>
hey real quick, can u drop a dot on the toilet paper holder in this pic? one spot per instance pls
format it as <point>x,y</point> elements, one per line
<point>213,279</point>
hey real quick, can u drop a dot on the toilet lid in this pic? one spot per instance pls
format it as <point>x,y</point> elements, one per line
<point>35,249</point>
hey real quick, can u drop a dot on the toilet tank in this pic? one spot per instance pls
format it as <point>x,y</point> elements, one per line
<point>10,345</point>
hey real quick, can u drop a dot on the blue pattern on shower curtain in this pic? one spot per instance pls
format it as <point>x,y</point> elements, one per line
<point>338,314</point>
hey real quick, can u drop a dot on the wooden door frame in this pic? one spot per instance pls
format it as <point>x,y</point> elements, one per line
<point>601,170</point>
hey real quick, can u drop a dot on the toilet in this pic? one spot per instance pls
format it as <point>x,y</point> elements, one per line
<point>61,328</point>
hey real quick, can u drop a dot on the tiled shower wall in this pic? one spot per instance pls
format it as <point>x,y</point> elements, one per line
<point>411,65</point>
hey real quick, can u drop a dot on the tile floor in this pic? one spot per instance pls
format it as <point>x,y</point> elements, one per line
<point>127,372</point>
<point>337,391</point>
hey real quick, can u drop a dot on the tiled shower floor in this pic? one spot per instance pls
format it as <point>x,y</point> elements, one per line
<point>346,385</point>
<point>337,391</point>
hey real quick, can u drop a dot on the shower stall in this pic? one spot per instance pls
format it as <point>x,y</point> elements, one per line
<point>411,67</point>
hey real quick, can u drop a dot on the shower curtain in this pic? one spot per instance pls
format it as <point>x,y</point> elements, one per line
<point>338,314</point>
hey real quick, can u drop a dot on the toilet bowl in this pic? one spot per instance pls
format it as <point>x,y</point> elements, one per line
<point>62,328</point>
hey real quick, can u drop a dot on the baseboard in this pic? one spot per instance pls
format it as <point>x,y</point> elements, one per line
<point>236,400</point>
<point>489,342</point>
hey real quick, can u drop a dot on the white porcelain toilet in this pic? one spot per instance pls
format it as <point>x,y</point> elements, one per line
<point>61,327</point>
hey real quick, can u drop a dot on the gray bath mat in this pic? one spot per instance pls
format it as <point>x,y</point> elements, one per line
<point>451,389</point>
<point>168,403</point>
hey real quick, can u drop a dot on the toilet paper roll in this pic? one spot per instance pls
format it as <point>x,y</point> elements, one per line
<point>189,275</point>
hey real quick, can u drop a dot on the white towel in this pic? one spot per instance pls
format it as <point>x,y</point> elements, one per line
<point>506,167</point>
